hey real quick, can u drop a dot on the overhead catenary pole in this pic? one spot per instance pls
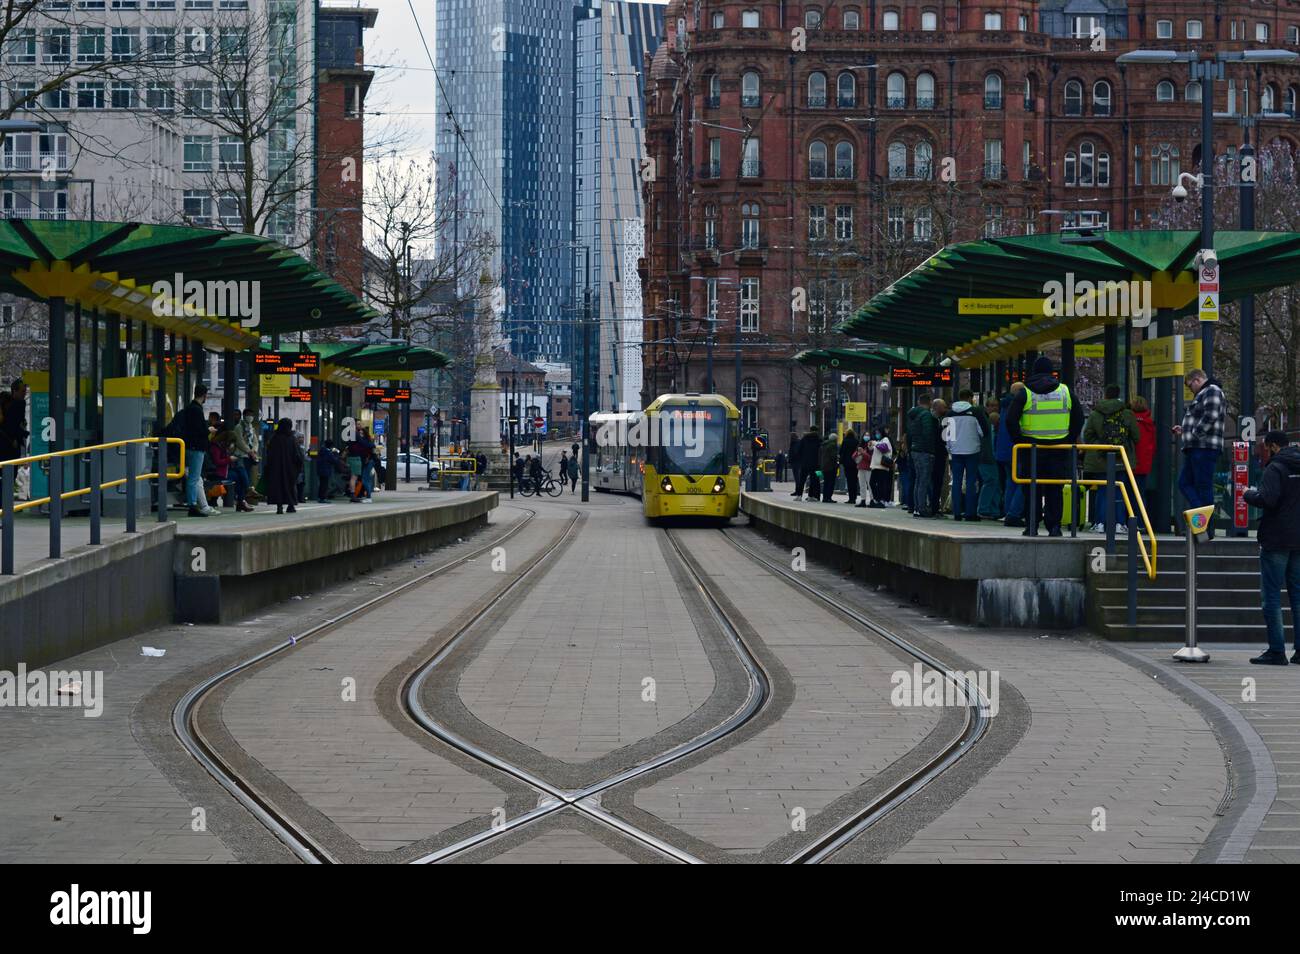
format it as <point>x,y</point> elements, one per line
<point>585,423</point>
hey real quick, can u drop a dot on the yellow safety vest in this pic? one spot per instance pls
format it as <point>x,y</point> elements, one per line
<point>1046,416</point>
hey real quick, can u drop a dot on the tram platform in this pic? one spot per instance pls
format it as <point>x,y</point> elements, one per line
<point>981,573</point>
<point>213,569</point>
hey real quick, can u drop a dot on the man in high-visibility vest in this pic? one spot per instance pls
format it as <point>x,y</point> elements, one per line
<point>1045,412</point>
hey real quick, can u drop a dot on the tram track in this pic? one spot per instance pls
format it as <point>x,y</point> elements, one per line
<point>185,722</point>
<point>974,725</point>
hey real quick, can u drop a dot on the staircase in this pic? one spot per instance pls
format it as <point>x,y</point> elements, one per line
<point>1227,594</point>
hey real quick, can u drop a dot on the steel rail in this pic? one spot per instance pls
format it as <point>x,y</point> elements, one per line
<point>586,799</point>
<point>974,726</point>
<point>292,835</point>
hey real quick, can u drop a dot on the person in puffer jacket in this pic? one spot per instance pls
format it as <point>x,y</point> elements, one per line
<point>963,434</point>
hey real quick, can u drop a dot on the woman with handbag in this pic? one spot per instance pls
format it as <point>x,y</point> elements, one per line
<point>862,463</point>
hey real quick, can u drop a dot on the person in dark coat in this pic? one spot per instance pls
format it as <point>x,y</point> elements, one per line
<point>327,465</point>
<point>1278,495</point>
<point>13,421</point>
<point>792,460</point>
<point>282,467</point>
<point>191,425</point>
<point>828,459</point>
<point>809,450</point>
<point>848,465</point>
<point>922,446</point>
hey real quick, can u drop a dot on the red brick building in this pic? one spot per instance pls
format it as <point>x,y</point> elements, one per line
<point>341,85</point>
<point>807,154</point>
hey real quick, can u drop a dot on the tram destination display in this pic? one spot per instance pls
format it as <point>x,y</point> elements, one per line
<point>286,362</point>
<point>388,395</point>
<point>920,377</point>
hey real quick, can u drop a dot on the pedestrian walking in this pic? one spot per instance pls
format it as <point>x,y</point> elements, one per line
<point>282,467</point>
<point>963,436</point>
<point>1045,413</point>
<point>1111,422</point>
<point>938,477</point>
<point>1144,453</point>
<point>792,457</point>
<point>1278,495</point>
<point>361,453</point>
<point>1201,437</point>
<point>906,475</point>
<point>573,474</point>
<point>849,467</point>
<point>780,467</point>
<point>251,431</point>
<point>922,445</point>
<point>990,484</point>
<point>881,468</point>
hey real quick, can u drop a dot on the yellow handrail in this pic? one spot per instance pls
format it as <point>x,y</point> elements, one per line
<point>106,485</point>
<point>1149,560</point>
<point>473,465</point>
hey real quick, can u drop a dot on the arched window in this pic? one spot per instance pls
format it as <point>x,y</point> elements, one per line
<point>896,91</point>
<point>1074,98</point>
<point>715,90</point>
<point>719,20</point>
<point>749,390</point>
<point>922,159</point>
<point>1031,94</point>
<point>1267,98</point>
<point>1071,168</point>
<point>1291,100</point>
<point>749,219</point>
<point>993,21</point>
<point>843,160</point>
<point>1103,169</point>
<point>890,20</point>
<point>929,21</point>
<point>852,20</point>
<point>710,226</point>
<point>897,153</point>
<point>992,91</point>
<point>1192,91</point>
<point>925,91</point>
<point>1164,164</point>
<point>817,90</point>
<point>1101,98</point>
<point>749,19</point>
<point>1164,92</point>
<point>817,160</point>
<point>846,90</point>
<point>1087,163</point>
<point>749,90</point>
<point>812,19</point>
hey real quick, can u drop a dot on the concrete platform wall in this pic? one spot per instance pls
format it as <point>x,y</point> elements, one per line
<point>993,580</point>
<point>222,577</point>
<point>54,609</point>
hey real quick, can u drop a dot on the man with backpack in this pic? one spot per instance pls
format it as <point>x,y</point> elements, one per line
<point>1278,495</point>
<point>1111,422</point>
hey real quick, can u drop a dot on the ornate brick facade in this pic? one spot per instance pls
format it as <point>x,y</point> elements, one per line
<point>807,154</point>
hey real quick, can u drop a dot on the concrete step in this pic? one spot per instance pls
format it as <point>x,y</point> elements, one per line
<point>1205,616</point>
<point>1175,633</point>
<point>1206,597</point>
<point>1215,580</point>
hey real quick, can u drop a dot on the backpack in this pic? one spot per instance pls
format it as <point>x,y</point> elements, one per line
<point>1113,430</point>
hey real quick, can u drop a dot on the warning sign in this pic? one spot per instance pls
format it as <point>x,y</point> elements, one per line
<point>1209,310</point>
<point>1208,293</point>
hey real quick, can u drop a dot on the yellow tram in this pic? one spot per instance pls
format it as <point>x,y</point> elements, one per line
<point>679,455</point>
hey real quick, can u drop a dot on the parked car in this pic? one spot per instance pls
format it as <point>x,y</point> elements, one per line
<point>421,468</point>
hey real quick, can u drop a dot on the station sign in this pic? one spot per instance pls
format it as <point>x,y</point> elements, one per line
<point>1240,481</point>
<point>388,395</point>
<point>274,385</point>
<point>281,362</point>
<point>920,377</point>
<point>300,395</point>
<point>1170,357</point>
<point>855,411</point>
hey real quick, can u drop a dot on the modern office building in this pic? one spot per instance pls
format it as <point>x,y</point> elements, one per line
<point>506,83</point>
<point>613,39</point>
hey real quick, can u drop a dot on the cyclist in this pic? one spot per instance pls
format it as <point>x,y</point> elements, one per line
<point>535,472</point>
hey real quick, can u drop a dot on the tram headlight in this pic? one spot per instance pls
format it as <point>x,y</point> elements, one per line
<point>666,485</point>
<point>719,486</point>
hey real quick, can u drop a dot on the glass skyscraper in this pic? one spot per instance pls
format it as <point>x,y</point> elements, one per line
<point>507,70</point>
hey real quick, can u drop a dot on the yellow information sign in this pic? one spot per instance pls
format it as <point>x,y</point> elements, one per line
<point>275,385</point>
<point>855,411</point>
<point>1090,350</point>
<point>1002,306</point>
<point>1170,357</point>
<point>1209,307</point>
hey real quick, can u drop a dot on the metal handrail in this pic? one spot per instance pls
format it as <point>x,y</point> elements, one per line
<point>95,489</point>
<point>1148,559</point>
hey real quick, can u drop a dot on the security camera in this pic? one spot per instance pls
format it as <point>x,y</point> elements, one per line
<point>945,362</point>
<point>1180,193</point>
<point>1209,259</point>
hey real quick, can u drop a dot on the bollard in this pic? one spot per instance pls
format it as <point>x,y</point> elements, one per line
<point>7,476</point>
<point>1198,521</point>
<point>130,487</point>
<point>162,479</point>
<point>96,478</point>
<point>1032,530</point>
<point>55,476</point>
<point>1110,502</point>
<point>1074,490</point>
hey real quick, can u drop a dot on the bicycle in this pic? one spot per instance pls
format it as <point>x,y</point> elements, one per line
<point>530,485</point>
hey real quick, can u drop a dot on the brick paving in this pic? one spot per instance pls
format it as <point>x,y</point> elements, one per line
<point>383,789</point>
<point>565,672</point>
<point>1274,713</point>
<point>839,731</point>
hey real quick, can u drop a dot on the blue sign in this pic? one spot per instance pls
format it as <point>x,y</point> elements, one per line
<point>379,427</point>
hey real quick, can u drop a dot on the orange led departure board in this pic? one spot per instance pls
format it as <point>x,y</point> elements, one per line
<point>920,377</point>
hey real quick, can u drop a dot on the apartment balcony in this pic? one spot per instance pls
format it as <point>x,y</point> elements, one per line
<point>995,172</point>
